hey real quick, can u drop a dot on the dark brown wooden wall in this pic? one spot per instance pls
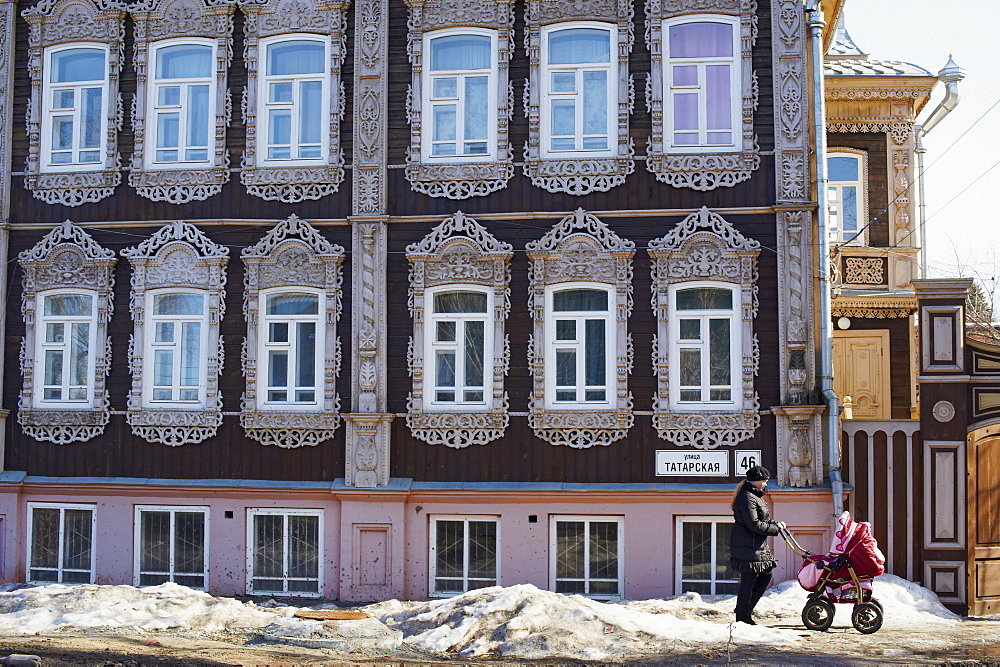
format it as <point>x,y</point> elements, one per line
<point>518,456</point>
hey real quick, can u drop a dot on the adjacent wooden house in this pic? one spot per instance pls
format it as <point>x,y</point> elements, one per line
<point>385,299</point>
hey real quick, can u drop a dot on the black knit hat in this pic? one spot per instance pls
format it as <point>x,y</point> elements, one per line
<point>758,474</point>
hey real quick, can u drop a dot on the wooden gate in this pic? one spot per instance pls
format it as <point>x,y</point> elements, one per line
<point>984,520</point>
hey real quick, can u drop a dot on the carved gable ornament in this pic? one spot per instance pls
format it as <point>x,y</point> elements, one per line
<point>460,180</point>
<point>292,255</point>
<point>701,170</point>
<point>581,248</point>
<point>178,256</point>
<point>317,178</point>
<point>52,23</point>
<point>66,258</point>
<point>157,20</point>
<point>459,252</point>
<point>579,176</point>
<point>705,247</point>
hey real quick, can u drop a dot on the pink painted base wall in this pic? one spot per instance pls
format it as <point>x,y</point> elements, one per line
<point>376,544</point>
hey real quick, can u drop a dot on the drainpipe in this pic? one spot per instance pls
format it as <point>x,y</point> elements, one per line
<point>949,75</point>
<point>814,15</point>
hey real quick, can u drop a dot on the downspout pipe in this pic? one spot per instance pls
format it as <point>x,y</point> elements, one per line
<point>815,22</point>
<point>950,75</point>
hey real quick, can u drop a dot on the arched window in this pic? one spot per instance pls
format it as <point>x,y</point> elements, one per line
<point>846,196</point>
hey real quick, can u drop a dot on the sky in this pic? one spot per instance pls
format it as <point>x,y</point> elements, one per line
<point>961,172</point>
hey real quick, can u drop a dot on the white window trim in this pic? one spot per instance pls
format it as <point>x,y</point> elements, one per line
<point>862,232</point>
<point>581,249</point>
<point>284,512</point>
<point>148,352</point>
<point>292,256</point>
<point>610,347</point>
<point>460,178</point>
<point>263,347</point>
<point>547,94</point>
<point>554,519</point>
<point>64,24</point>
<point>735,87</point>
<point>697,168</point>
<point>579,174</point>
<point>458,254</point>
<point>159,23</point>
<point>178,258</point>
<point>47,111</point>
<point>719,523</point>
<point>172,509</point>
<point>62,507</point>
<point>268,22</point>
<point>38,399</point>
<point>432,560</point>
<point>491,103</point>
<point>152,106</point>
<point>704,247</point>
<point>735,347</point>
<point>84,267</point>
<point>431,346</point>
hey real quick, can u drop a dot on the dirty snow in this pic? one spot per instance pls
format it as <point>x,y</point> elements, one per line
<point>515,622</point>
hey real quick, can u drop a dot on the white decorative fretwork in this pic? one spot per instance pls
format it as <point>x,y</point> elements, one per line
<point>704,246</point>
<point>864,270</point>
<point>63,22</point>
<point>702,170</point>
<point>177,256</point>
<point>293,254</point>
<point>581,248</point>
<point>66,258</point>
<point>459,251</point>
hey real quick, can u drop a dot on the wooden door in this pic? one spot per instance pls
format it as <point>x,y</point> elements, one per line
<point>861,371</point>
<point>984,521</point>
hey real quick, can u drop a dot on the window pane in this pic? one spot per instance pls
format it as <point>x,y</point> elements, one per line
<point>704,298</point>
<point>476,114</point>
<point>303,556</point>
<point>445,87</point>
<point>163,368</point>
<point>570,549</point>
<point>45,538</point>
<point>163,332</point>
<point>474,353</point>
<point>279,127</point>
<point>178,304</point>
<point>849,222</point>
<point>93,125</point>
<point>565,330</point>
<point>483,550</point>
<point>311,112</point>
<point>77,65</point>
<point>595,102</point>
<point>197,116</point>
<point>447,332</point>
<point>564,82</point>
<point>563,117</point>
<point>55,332</point>
<point>685,75</point>
<point>449,557</point>
<point>277,332</point>
<point>269,545</point>
<point>460,52</point>
<point>580,300</point>
<point>603,551</point>
<point>281,92</point>
<point>190,354</point>
<point>154,553</point>
<point>63,99</point>
<point>690,368</point>
<point>719,359</point>
<point>696,551</point>
<point>184,61</point>
<point>701,40</point>
<point>306,376</point>
<point>296,57</point>
<point>53,367</point>
<point>722,551</point>
<point>444,122</point>
<point>690,329</point>
<point>167,130</point>
<point>79,353</point>
<point>595,353</point>
<point>189,543</point>
<point>277,369</point>
<point>566,368</point>
<point>460,302</point>
<point>579,45</point>
<point>842,168</point>
<point>77,540</point>
<point>718,95</point>
<point>292,303</point>
<point>686,111</point>
<point>62,132</point>
<point>169,96</point>
<point>445,368</point>
<point>69,304</point>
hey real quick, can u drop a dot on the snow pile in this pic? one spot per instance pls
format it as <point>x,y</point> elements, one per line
<point>56,607</point>
<point>528,623</point>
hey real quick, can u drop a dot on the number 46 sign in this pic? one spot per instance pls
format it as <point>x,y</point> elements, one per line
<point>746,459</point>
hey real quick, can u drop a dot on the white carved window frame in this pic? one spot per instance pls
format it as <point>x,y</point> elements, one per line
<point>705,248</point>
<point>460,178</point>
<point>293,255</point>
<point>66,260</point>
<point>179,258</point>
<point>859,237</point>
<point>55,25</point>
<point>291,181</point>
<point>696,167</point>
<point>181,21</point>
<point>579,175</point>
<point>581,249</point>
<point>459,253</point>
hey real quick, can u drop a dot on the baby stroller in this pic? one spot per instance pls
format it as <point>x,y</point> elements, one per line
<point>842,576</point>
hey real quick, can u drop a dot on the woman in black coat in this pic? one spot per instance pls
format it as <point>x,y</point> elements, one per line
<point>752,525</point>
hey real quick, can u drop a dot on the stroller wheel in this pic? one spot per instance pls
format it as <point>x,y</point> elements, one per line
<point>877,604</point>
<point>867,617</point>
<point>817,615</point>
